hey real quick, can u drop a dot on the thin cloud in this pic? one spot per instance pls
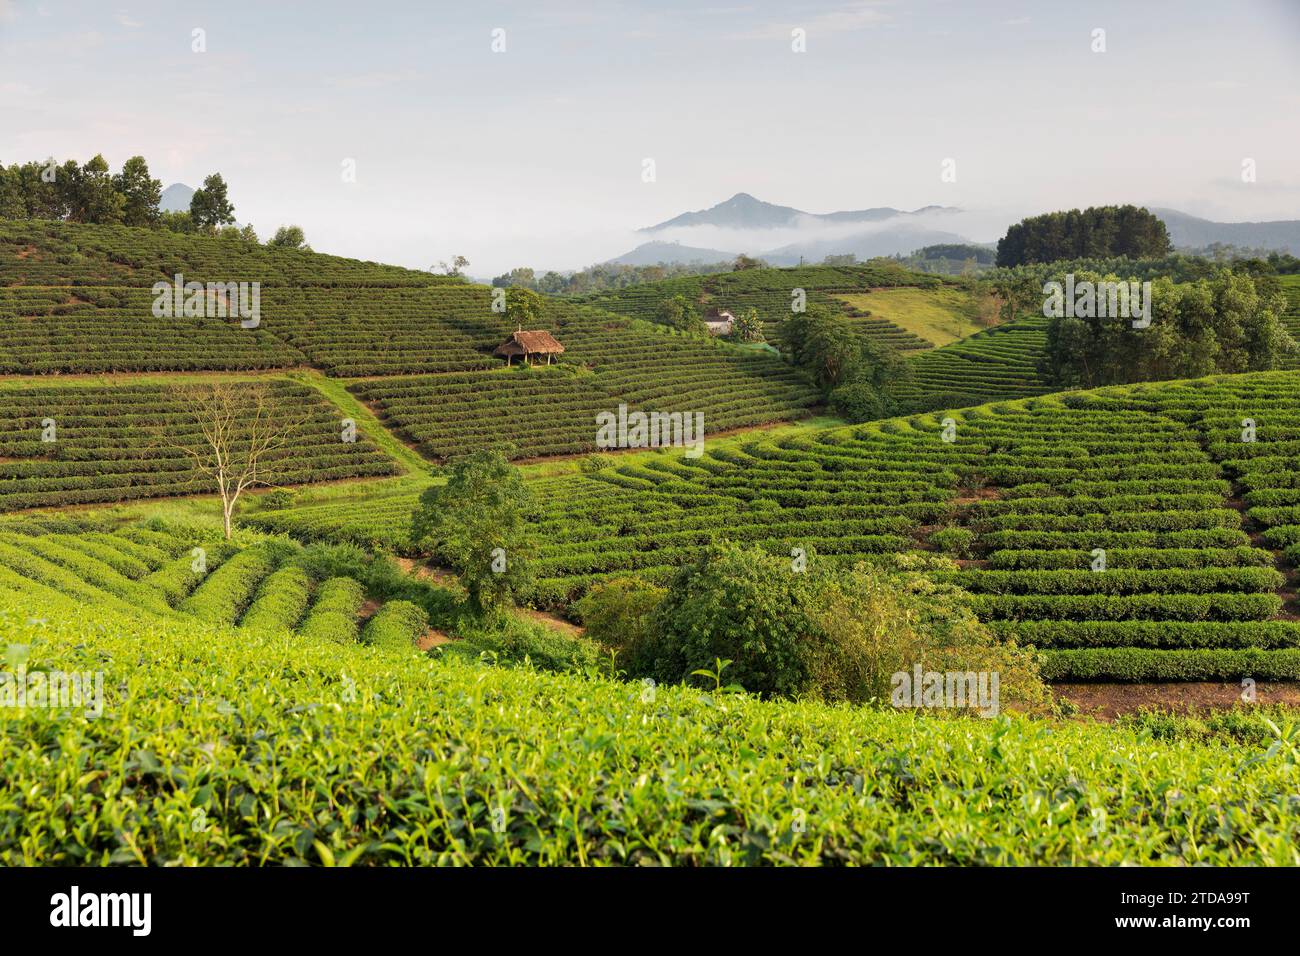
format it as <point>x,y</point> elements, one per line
<point>124,18</point>
<point>860,15</point>
<point>374,80</point>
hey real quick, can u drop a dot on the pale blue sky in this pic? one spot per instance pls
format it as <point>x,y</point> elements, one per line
<point>534,156</point>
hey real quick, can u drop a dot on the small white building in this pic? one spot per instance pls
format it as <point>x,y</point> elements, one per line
<point>720,324</point>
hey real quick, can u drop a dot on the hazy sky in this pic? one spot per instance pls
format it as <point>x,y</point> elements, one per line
<point>535,155</point>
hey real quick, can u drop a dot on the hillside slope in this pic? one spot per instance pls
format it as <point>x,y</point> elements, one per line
<point>1200,530</point>
<point>77,299</point>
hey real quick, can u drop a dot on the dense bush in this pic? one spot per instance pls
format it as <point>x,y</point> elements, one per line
<point>824,633</point>
<point>618,614</point>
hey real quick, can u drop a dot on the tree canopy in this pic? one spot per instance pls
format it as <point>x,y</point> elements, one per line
<point>1096,232</point>
<point>477,524</point>
<point>678,312</point>
<point>1225,324</point>
<point>210,207</point>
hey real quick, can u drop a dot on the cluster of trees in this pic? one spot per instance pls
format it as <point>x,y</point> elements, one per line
<point>1019,289</point>
<point>743,262</point>
<point>1225,253</point>
<point>854,373</point>
<point>1227,324</point>
<point>80,193</point>
<point>1096,232</point>
<point>89,193</point>
<point>950,259</point>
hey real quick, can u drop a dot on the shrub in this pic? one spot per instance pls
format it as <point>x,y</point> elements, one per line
<point>617,613</point>
<point>858,401</point>
<point>278,499</point>
<point>333,617</point>
<point>954,541</point>
<point>512,640</point>
<point>739,605</point>
<point>833,634</point>
<point>397,625</point>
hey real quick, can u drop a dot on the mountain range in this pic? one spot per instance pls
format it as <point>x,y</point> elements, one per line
<point>1192,232</point>
<point>783,235</point>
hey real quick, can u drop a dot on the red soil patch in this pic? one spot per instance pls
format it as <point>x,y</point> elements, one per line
<point>420,570</point>
<point>433,638</point>
<point>983,494</point>
<point>555,623</point>
<point>1108,701</point>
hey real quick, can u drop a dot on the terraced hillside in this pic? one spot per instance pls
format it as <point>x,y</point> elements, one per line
<point>1195,581</point>
<point>268,584</point>
<point>84,442</point>
<point>1001,362</point>
<point>43,253</point>
<point>78,299</point>
<point>769,291</point>
<point>552,411</point>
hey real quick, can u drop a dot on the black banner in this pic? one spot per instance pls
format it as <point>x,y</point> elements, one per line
<point>948,905</point>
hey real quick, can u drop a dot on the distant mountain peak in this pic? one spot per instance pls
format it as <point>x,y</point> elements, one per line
<point>176,198</point>
<point>745,211</point>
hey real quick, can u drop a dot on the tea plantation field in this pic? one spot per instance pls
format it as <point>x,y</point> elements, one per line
<point>770,292</point>
<point>77,299</point>
<point>189,575</point>
<point>84,442</point>
<point>1001,362</point>
<point>257,746</point>
<point>1198,532</point>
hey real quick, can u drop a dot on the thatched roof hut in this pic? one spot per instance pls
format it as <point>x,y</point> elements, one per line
<point>528,344</point>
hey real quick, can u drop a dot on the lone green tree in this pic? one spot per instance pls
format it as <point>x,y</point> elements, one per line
<point>291,237</point>
<point>477,525</point>
<point>210,207</point>
<point>523,307</point>
<point>748,326</point>
<point>680,313</point>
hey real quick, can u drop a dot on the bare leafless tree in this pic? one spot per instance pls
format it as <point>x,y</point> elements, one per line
<point>237,429</point>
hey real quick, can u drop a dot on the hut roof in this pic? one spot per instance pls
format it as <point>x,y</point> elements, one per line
<point>530,343</point>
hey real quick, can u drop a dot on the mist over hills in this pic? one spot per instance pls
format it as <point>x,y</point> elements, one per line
<point>743,211</point>
<point>784,235</point>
